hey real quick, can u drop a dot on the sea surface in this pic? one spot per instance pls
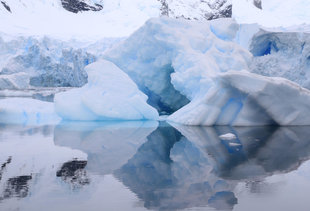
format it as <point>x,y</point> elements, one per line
<point>153,166</point>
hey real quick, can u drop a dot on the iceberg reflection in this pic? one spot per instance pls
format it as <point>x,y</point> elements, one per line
<point>183,167</point>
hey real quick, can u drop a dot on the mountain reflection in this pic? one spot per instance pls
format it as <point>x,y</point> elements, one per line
<point>182,167</point>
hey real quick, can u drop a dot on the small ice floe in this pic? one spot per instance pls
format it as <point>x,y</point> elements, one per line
<point>228,137</point>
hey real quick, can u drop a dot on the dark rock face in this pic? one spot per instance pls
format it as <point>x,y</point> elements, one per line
<point>258,3</point>
<point>164,8</point>
<point>76,6</point>
<point>217,8</point>
<point>224,13</point>
<point>6,6</point>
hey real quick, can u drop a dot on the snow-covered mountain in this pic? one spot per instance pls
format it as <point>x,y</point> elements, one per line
<point>197,9</point>
<point>93,19</point>
<point>193,9</point>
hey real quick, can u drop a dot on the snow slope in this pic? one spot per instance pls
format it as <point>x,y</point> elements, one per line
<point>48,17</point>
<point>274,13</point>
<point>93,19</point>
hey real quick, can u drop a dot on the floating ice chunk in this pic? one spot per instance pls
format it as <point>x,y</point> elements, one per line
<point>228,136</point>
<point>109,95</point>
<point>242,98</point>
<point>27,111</point>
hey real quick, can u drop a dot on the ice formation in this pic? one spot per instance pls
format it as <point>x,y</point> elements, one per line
<point>177,59</point>
<point>27,111</point>
<point>243,98</point>
<point>42,62</point>
<point>109,95</point>
<point>198,62</point>
<point>282,54</point>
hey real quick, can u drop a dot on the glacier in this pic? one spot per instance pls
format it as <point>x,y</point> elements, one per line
<point>109,95</point>
<point>282,53</point>
<point>27,62</point>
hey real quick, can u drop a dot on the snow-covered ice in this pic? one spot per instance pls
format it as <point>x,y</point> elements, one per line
<point>109,95</point>
<point>27,111</point>
<point>274,12</point>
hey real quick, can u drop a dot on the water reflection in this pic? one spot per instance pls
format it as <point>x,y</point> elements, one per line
<point>171,171</point>
<point>74,172</point>
<point>108,144</point>
<point>166,167</point>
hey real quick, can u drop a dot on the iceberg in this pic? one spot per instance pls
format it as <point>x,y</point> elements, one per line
<point>109,95</point>
<point>174,61</point>
<point>27,111</point>
<point>197,72</point>
<point>189,72</point>
<point>247,99</point>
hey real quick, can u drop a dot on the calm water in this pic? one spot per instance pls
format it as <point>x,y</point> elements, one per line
<point>152,166</point>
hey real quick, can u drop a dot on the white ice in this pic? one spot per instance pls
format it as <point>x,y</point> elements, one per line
<point>177,59</point>
<point>275,13</point>
<point>200,61</point>
<point>109,95</point>
<point>27,111</point>
<point>247,99</point>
